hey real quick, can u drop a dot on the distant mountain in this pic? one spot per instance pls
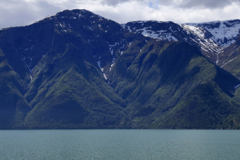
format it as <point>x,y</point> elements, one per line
<point>229,59</point>
<point>210,37</point>
<point>77,69</point>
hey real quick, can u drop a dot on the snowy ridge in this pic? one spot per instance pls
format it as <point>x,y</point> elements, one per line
<point>223,33</point>
<point>147,30</point>
<point>211,37</point>
<point>206,44</point>
<point>157,35</point>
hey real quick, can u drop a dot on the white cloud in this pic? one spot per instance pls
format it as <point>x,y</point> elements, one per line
<point>23,12</point>
<point>133,10</point>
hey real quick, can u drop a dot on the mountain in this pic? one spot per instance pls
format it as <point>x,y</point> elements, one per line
<point>174,80</point>
<point>210,37</point>
<point>57,62</point>
<point>77,69</point>
<point>229,59</point>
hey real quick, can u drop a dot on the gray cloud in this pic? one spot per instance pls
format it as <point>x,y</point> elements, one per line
<point>181,4</point>
<point>113,2</point>
<point>24,12</point>
<point>206,3</point>
<point>15,13</point>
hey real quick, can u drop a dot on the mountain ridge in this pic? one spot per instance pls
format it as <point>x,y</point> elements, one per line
<point>79,70</point>
<point>211,37</point>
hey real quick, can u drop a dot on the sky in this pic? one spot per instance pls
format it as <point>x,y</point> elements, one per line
<point>25,12</point>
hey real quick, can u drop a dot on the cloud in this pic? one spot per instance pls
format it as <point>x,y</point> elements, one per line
<point>180,3</point>
<point>23,12</point>
<point>162,10</point>
<point>211,4</point>
<point>113,2</point>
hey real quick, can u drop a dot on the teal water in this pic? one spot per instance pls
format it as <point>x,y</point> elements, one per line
<point>120,144</point>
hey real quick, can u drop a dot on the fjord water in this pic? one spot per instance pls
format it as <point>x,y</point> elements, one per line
<point>120,144</point>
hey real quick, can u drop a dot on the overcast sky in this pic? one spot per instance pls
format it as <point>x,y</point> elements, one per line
<point>24,12</point>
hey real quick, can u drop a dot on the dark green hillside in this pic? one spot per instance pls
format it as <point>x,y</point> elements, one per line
<point>13,106</point>
<point>204,107</point>
<point>73,95</point>
<point>164,77</point>
<point>134,44</point>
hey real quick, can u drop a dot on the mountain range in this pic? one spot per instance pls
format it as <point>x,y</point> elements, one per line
<point>77,69</point>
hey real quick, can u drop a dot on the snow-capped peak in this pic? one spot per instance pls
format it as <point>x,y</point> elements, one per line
<point>211,37</point>
<point>224,33</point>
<point>154,29</point>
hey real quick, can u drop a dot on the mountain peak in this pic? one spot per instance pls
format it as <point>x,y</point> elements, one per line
<point>79,70</point>
<point>154,29</point>
<point>74,11</point>
<point>210,37</point>
<point>77,14</point>
<point>224,33</point>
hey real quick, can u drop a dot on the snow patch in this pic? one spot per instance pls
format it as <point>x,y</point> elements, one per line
<point>217,59</point>
<point>223,33</point>
<point>99,64</point>
<point>123,26</point>
<point>196,30</point>
<point>160,34</point>
<point>111,67</point>
<point>237,86</point>
<point>130,44</point>
<point>228,62</point>
<point>129,29</point>
<point>104,75</point>
<point>111,48</point>
<point>206,44</point>
<point>79,15</point>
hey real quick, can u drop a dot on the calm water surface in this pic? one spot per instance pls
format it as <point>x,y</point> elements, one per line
<point>120,144</point>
